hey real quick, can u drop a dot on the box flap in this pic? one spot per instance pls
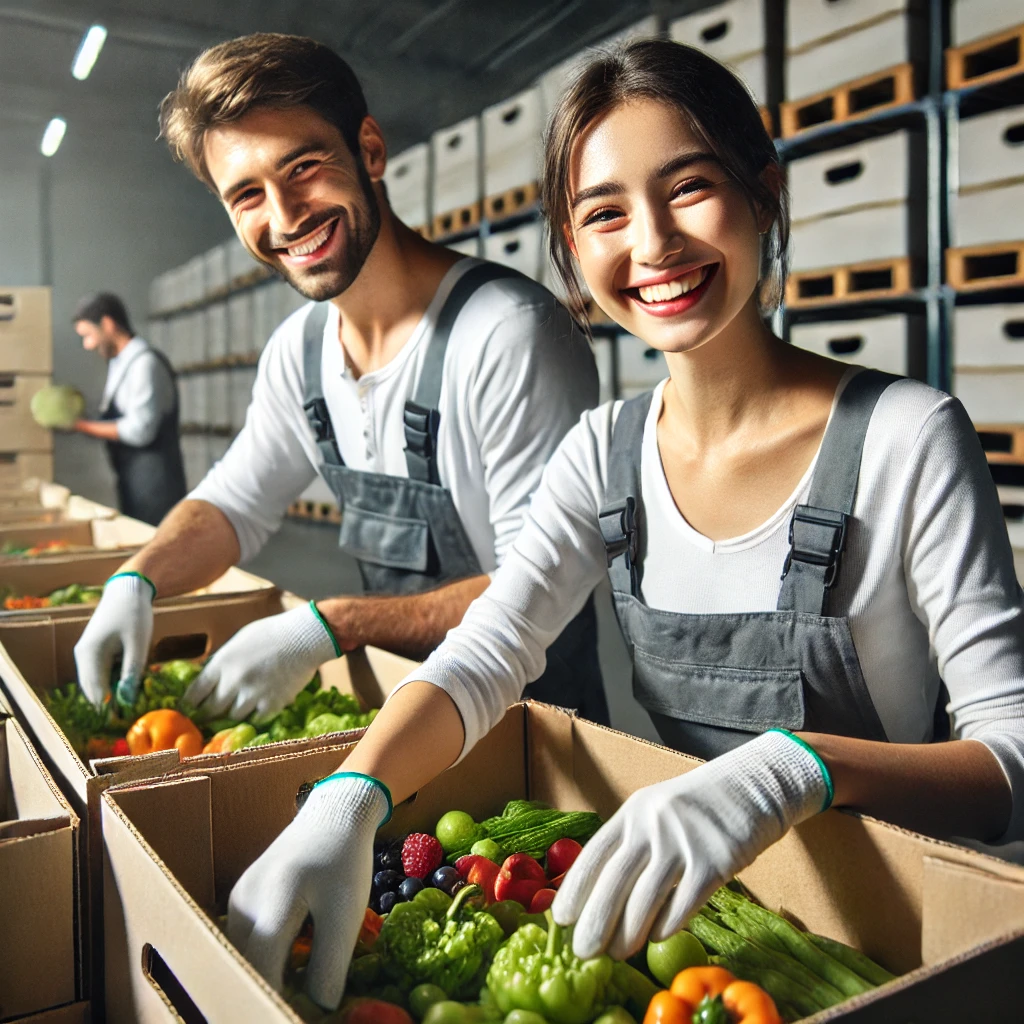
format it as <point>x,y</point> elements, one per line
<point>31,792</point>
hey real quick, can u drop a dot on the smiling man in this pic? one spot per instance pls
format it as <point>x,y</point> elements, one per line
<point>428,389</point>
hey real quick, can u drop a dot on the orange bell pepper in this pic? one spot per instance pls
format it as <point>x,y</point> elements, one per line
<point>745,1002</point>
<point>165,729</point>
<point>17,604</point>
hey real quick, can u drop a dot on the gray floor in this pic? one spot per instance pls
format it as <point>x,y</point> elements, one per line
<point>304,558</point>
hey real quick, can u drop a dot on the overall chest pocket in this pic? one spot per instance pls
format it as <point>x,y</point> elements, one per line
<point>391,541</point>
<point>747,699</point>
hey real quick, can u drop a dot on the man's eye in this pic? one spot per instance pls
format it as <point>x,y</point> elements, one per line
<point>243,197</point>
<point>304,166</point>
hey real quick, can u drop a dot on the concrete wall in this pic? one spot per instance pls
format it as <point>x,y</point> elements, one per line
<point>118,212</point>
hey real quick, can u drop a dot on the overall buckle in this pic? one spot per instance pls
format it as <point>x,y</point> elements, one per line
<point>319,419</point>
<point>817,536</point>
<point>618,528</point>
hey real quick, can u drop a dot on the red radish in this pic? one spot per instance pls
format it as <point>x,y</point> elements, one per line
<point>542,900</point>
<point>561,856</point>
<point>519,879</point>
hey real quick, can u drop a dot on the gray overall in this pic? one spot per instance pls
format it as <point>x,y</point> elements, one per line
<point>709,682</point>
<point>151,478</point>
<point>405,532</point>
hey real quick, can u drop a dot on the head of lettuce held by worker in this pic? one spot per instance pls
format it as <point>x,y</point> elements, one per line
<point>820,688</point>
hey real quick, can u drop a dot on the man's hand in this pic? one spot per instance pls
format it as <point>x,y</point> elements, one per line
<point>321,864</point>
<point>121,624</point>
<point>691,833</point>
<point>264,665</point>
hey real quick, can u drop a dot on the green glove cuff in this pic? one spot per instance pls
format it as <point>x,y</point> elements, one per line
<point>825,774</point>
<point>137,575</point>
<point>338,652</point>
<point>366,778</point>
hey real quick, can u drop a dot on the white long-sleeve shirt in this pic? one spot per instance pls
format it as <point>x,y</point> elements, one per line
<point>517,375</point>
<point>143,391</point>
<point>927,578</point>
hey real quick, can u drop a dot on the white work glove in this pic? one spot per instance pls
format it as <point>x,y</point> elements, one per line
<point>693,832</point>
<point>263,666</point>
<point>122,623</point>
<point>321,864</point>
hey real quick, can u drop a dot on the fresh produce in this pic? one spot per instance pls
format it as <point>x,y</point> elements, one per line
<point>666,959</point>
<point>519,879</point>
<point>423,997</point>
<point>374,1011</point>
<point>711,995</point>
<point>455,829</point>
<point>21,604</point>
<point>165,730</point>
<point>11,549</point>
<point>486,848</point>
<point>233,738</point>
<point>421,855</point>
<point>852,958</point>
<point>561,856</point>
<point>57,406</point>
<point>299,719</point>
<point>542,900</point>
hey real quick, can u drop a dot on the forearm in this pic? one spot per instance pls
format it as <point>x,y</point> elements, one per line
<point>939,789</point>
<point>105,430</point>
<point>411,625</point>
<point>416,736</point>
<point>195,545</point>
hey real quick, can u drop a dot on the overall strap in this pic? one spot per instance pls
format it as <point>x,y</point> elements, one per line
<point>817,531</point>
<point>620,516</point>
<point>422,416</point>
<point>313,403</point>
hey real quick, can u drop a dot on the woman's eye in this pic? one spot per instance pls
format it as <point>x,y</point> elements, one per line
<point>600,217</point>
<point>692,186</point>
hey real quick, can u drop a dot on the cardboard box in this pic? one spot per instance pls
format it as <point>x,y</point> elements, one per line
<point>16,467</point>
<point>116,532</point>
<point>38,846</point>
<point>512,132</point>
<point>407,178</point>
<point>521,248</point>
<point>456,159</point>
<point>991,396</point>
<point>874,233</point>
<point>991,147</point>
<point>989,336</point>
<point>948,918</point>
<point>18,429</point>
<point>895,344</point>
<point>71,1013</point>
<point>26,330</point>
<point>809,21</point>
<point>975,19</point>
<point>988,215</point>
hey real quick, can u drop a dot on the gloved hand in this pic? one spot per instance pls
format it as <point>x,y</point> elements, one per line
<point>321,864</point>
<point>693,832</point>
<point>122,622</point>
<point>264,665</point>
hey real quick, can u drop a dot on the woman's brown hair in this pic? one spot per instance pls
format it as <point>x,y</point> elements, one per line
<point>719,110</point>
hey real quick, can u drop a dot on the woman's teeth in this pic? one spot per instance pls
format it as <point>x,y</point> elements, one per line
<point>313,244</point>
<point>673,289</point>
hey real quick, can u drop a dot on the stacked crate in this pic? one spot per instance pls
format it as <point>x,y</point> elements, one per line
<point>407,179</point>
<point>26,362</point>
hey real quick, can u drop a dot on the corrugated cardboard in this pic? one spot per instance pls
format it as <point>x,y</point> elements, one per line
<point>17,427</point>
<point>16,466</point>
<point>72,1013</point>
<point>173,850</point>
<point>26,330</point>
<point>114,532</point>
<point>38,834</point>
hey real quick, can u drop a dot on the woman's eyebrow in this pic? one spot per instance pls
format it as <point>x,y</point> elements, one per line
<point>614,188</point>
<point>679,163</point>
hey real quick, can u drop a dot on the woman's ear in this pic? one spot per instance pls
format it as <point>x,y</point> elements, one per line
<point>772,179</point>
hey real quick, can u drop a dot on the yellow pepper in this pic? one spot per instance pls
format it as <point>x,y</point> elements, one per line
<point>165,729</point>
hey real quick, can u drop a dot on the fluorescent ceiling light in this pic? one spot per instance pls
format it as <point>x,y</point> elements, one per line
<point>88,50</point>
<point>53,135</point>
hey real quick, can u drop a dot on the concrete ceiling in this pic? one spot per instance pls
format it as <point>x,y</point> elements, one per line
<point>424,63</point>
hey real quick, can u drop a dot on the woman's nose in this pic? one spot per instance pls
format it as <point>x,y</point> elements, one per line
<point>656,237</point>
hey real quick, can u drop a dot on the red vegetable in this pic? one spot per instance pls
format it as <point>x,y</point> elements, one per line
<point>485,874</point>
<point>561,856</point>
<point>542,900</point>
<point>374,1011</point>
<point>519,879</point>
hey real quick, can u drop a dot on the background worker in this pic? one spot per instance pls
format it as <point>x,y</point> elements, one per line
<point>138,411</point>
<point>428,389</point>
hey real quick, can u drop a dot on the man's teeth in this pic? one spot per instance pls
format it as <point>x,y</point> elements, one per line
<point>673,289</point>
<point>313,244</point>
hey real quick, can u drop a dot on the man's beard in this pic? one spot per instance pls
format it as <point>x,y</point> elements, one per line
<point>361,224</point>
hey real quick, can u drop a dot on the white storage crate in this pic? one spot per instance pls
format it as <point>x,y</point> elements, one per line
<point>288,300</point>
<point>215,321</point>
<point>241,382</point>
<point>519,248</point>
<point>194,455</point>
<point>195,339</point>
<point>215,270</point>
<point>883,342</point>
<point>240,263</point>
<point>975,19</point>
<point>603,358</point>
<point>808,21</point>
<point>876,48</point>
<point>877,233</point>
<point>264,315</point>
<point>468,246</point>
<point>456,159</point>
<point>157,335</point>
<point>512,133</point>
<point>869,172</point>
<point>186,399</point>
<point>752,71</point>
<point>725,30</point>
<point>218,398</point>
<point>989,335</point>
<point>995,396</point>
<point>195,280</point>
<point>407,178</point>
<point>161,292</point>
<point>989,215</point>
<point>240,323</point>
<point>216,450</point>
<point>992,146</point>
<point>640,366</point>
<point>199,387</point>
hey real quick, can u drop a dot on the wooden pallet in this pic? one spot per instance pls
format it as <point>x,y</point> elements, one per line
<point>1002,442</point>
<point>315,511</point>
<point>995,265</point>
<point>511,201</point>
<point>423,230</point>
<point>852,283</point>
<point>866,95</point>
<point>767,120</point>
<point>454,221</point>
<point>986,60</point>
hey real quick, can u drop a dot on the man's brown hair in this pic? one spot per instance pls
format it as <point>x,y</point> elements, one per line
<point>266,69</point>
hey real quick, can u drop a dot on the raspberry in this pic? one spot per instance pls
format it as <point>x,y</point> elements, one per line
<point>421,855</point>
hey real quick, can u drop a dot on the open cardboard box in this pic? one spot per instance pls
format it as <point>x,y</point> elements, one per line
<point>83,534</point>
<point>38,847</point>
<point>949,920</point>
<point>70,1013</point>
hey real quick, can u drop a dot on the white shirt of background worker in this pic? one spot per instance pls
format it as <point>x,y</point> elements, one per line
<point>145,393</point>
<point>299,170</point>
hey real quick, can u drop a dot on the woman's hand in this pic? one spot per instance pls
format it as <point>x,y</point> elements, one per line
<point>693,832</point>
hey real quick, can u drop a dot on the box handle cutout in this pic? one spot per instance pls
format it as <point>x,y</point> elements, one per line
<point>1015,513</point>
<point>161,977</point>
<point>845,346</point>
<point>171,648</point>
<point>844,172</point>
<point>1014,330</point>
<point>714,32</point>
<point>402,170</point>
<point>511,247</point>
<point>455,141</point>
<point>6,307</point>
<point>512,114</point>
<point>1014,135</point>
<point>650,354</point>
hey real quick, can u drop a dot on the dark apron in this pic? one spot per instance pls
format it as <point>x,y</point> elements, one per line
<point>405,532</point>
<point>711,682</point>
<point>150,479</point>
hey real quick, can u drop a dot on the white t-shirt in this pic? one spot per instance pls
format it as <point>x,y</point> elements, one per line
<point>143,391</point>
<point>517,376</point>
<point>927,577</point>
